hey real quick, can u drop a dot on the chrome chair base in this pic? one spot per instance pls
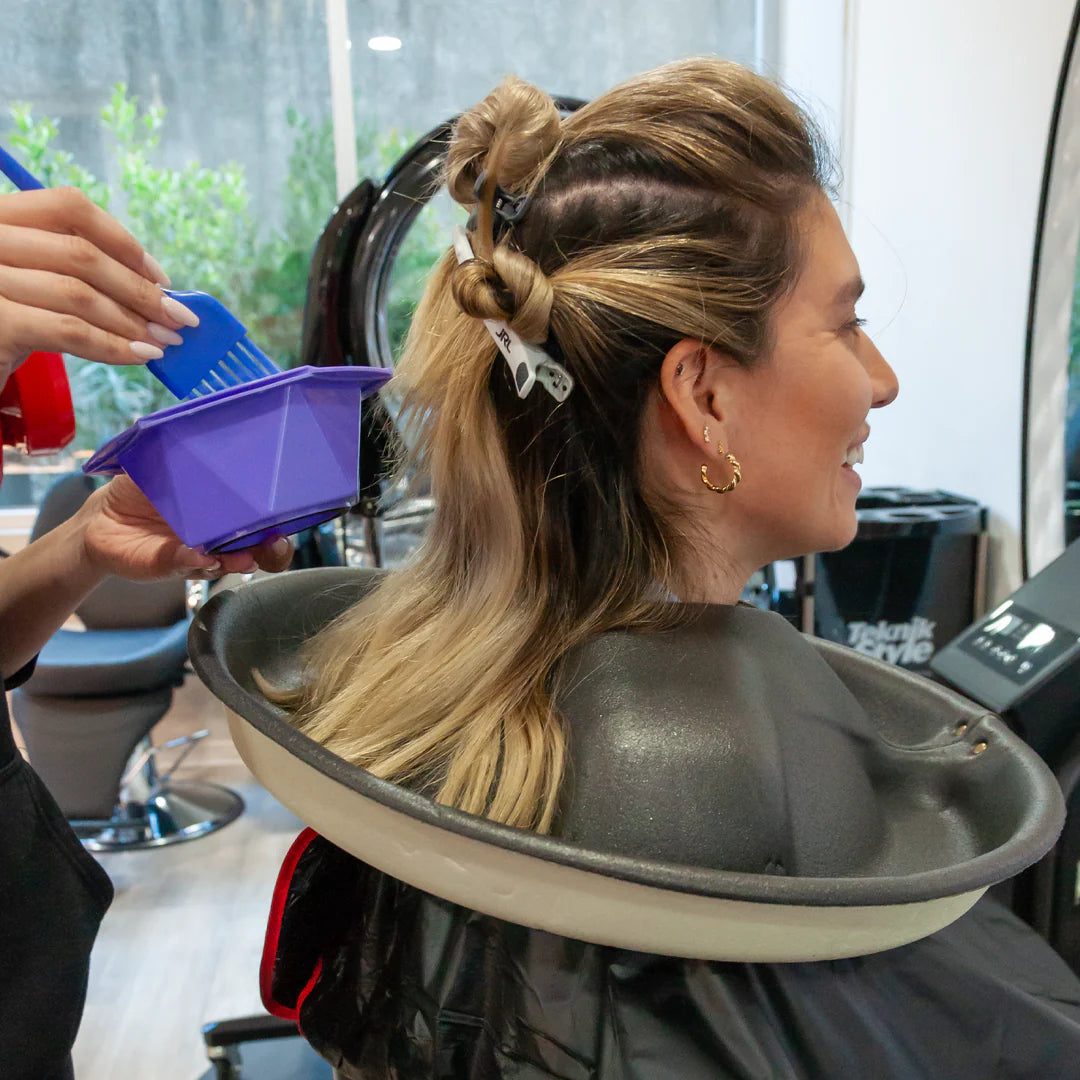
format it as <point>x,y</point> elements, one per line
<point>185,810</point>
<point>154,810</point>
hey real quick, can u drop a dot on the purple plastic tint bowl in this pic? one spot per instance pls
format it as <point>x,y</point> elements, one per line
<point>269,457</point>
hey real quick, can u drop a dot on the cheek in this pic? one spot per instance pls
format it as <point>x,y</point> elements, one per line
<point>772,442</point>
<point>829,410</point>
<point>804,425</point>
<point>801,413</point>
<point>795,452</point>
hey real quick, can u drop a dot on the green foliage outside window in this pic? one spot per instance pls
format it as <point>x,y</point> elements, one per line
<point>198,223</point>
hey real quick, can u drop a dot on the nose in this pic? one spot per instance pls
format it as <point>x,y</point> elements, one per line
<point>883,381</point>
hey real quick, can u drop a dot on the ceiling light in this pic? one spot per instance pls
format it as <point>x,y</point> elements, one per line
<point>384,44</point>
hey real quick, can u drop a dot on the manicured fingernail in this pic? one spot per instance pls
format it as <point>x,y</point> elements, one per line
<point>144,351</point>
<point>280,545</point>
<point>164,334</point>
<point>153,268</point>
<point>175,310</point>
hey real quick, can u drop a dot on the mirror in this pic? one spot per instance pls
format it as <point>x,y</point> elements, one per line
<point>1050,467</point>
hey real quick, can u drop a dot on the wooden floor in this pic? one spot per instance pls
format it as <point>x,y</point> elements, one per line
<point>181,943</point>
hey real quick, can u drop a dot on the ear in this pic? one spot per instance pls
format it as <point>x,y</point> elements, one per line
<point>693,385</point>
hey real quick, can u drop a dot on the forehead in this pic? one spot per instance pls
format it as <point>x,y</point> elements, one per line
<point>829,275</point>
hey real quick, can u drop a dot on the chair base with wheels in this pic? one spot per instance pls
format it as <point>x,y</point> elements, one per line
<point>260,1046</point>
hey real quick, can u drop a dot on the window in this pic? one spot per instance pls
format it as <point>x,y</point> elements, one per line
<point>415,65</point>
<point>206,129</point>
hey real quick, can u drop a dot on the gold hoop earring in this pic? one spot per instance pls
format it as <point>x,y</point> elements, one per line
<point>733,483</point>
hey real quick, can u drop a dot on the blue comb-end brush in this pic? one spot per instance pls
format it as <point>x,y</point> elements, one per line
<point>215,355</point>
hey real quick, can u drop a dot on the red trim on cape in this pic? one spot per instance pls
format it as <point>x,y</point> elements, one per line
<point>273,933</point>
<point>302,996</point>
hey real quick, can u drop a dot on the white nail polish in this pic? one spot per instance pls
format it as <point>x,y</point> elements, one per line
<point>153,267</point>
<point>144,351</point>
<point>164,334</point>
<point>175,310</point>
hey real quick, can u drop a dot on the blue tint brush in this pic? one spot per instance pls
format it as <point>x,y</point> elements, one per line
<point>213,356</point>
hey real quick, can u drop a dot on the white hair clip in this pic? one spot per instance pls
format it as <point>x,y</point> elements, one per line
<point>529,364</point>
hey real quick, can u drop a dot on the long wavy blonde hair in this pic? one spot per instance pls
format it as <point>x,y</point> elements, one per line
<point>665,209</point>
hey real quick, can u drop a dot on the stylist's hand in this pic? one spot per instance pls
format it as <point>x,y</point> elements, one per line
<point>123,534</point>
<point>73,279</point>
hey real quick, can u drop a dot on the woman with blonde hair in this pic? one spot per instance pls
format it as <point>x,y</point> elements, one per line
<point>658,261</point>
<point>638,377</point>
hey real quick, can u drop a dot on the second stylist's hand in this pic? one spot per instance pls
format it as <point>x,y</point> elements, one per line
<point>123,534</point>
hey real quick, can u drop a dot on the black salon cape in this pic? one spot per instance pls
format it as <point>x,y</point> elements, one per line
<point>52,899</point>
<point>387,981</point>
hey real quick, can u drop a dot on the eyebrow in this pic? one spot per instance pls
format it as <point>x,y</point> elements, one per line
<point>851,291</point>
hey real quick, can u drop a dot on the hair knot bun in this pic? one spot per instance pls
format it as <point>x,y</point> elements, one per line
<point>510,134</point>
<point>513,290</point>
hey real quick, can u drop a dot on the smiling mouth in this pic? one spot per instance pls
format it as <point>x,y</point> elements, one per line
<point>854,456</point>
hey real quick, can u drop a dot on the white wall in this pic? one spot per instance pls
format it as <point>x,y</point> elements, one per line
<point>945,107</point>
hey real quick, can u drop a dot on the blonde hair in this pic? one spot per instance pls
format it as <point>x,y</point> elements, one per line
<point>662,210</point>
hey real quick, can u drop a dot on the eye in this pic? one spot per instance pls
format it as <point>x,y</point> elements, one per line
<point>854,325</point>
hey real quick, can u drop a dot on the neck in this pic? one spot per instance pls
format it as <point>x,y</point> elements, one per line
<point>713,578</point>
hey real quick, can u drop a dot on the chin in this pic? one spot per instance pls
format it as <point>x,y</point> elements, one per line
<point>844,536</point>
<point>840,534</point>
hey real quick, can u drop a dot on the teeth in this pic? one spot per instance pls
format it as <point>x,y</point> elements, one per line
<point>854,456</point>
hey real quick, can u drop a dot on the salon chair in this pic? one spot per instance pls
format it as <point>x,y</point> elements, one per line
<point>87,711</point>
